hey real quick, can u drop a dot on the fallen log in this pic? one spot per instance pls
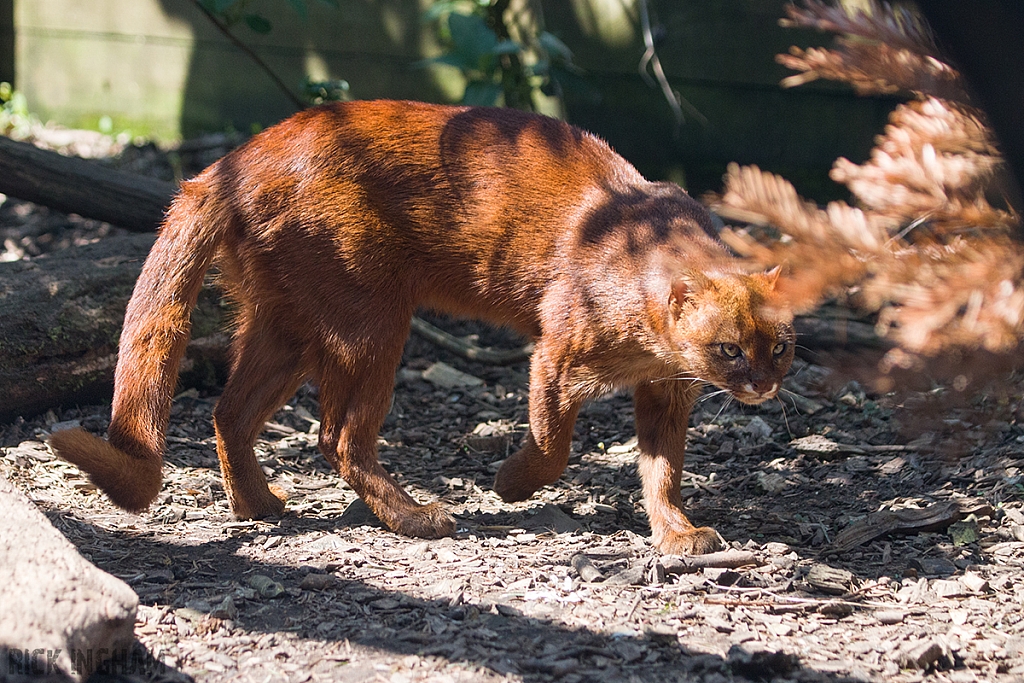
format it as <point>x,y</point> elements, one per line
<point>62,616</point>
<point>62,319</point>
<point>88,188</point>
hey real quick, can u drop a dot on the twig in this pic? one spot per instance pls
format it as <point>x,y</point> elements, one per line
<point>725,559</point>
<point>650,56</point>
<point>468,350</point>
<point>299,104</point>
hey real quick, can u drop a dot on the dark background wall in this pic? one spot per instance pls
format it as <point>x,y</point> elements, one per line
<point>719,54</point>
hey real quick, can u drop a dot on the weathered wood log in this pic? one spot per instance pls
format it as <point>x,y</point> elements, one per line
<point>62,317</point>
<point>88,188</point>
<point>61,615</point>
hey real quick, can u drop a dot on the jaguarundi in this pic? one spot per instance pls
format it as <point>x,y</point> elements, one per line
<point>332,228</point>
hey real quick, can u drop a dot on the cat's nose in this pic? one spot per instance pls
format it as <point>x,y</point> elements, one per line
<point>762,387</point>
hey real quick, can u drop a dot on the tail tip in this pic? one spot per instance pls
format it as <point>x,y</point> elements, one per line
<point>131,483</point>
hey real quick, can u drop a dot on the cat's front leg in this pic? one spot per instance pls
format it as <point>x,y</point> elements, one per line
<point>553,410</point>
<point>662,416</point>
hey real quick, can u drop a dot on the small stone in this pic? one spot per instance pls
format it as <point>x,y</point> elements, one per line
<point>316,581</point>
<point>358,514</point>
<point>447,377</point>
<point>758,428</point>
<point>965,532</point>
<point>773,482</point>
<point>661,634</point>
<point>816,444</point>
<point>385,604</point>
<point>634,576</point>
<point>226,609</point>
<point>721,576</point>
<point>67,424</point>
<point>890,617</point>
<point>586,568</point>
<point>933,566</point>
<point>775,548</point>
<point>551,517</point>
<point>189,614</point>
<point>266,586</point>
<point>830,580</point>
<point>921,655</point>
<point>761,665</point>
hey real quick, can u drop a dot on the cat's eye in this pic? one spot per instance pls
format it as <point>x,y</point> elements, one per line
<point>780,349</point>
<point>731,350</point>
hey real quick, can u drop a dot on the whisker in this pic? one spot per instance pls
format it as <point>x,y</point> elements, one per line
<point>724,406</point>
<point>785,418</point>
<point>691,380</point>
<point>712,395</point>
<point>796,407</point>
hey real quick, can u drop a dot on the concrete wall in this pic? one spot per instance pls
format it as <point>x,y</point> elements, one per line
<point>157,67</point>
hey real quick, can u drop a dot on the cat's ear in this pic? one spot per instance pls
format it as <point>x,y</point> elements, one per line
<point>771,277</point>
<point>685,286</point>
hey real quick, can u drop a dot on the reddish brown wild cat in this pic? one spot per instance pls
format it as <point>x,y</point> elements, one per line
<point>330,230</point>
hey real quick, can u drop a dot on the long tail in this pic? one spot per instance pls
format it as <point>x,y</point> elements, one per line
<point>156,331</point>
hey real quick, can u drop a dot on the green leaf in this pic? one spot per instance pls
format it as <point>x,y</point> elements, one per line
<point>471,37</point>
<point>257,23</point>
<point>555,47</point>
<point>505,47</point>
<point>481,94</point>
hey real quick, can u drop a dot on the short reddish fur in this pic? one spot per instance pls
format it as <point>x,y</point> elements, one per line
<point>333,227</point>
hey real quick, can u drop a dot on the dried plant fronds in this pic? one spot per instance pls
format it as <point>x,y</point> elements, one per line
<point>885,50</point>
<point>925,248</point>
<point>935,159</point>
<point>964,293</point>
<point>895,26</point>
<point>873,69</point>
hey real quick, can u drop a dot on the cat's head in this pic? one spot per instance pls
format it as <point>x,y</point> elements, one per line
<point>729,330</point>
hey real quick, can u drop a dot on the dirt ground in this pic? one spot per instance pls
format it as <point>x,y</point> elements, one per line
<point>565,587</point>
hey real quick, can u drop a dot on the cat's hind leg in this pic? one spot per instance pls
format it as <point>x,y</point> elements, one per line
<point>265,373</point>
<point>662,416</point>
<point>356,380</point>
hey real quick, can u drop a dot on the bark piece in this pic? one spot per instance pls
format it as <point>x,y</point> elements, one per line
<point>54,600</point>
<point>62,319</point>
<point>830,580</point>
<point>907,521</point>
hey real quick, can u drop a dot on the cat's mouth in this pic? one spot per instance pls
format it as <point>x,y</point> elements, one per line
<point>752,395</point>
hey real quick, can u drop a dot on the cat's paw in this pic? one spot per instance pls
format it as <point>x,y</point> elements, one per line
<point>267,504</point>
<point>520,476</point>
<point>699,541</point>
<point>425,521</point>
<point>510,490</point>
